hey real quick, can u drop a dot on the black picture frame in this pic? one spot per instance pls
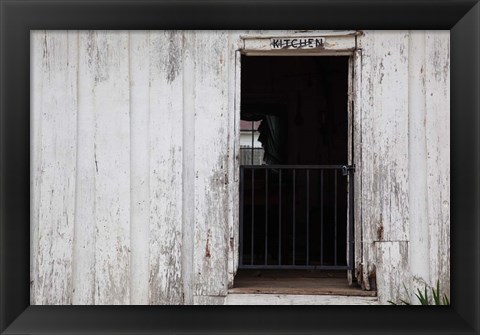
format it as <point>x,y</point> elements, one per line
<point>18,17</point>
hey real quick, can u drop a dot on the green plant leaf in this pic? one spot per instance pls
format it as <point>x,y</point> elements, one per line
<point>406,291</point>
<point>436,294</point>
<point>419,297</point>
<point>426,296</point>
<point>436,297</point>
<point>422,297</point>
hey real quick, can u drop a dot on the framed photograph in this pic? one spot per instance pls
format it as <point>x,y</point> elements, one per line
<point>226,153</point>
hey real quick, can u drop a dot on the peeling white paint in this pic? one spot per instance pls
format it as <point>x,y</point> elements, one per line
<point>166,160</point>
<point>54,171</point>
<point>418,200</point>
<point>292,299</point>
<point>139,69</point>
<point>211,163</point>
<point>437,89</point>
<point>109,61</point>
<point>135,155</point>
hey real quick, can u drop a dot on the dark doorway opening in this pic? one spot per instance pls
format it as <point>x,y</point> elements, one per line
<point>293,157</point>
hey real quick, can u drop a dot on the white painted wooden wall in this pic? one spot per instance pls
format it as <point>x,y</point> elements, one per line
<point>131,163</point>
<point>133,179</point>
<point>403,146</point>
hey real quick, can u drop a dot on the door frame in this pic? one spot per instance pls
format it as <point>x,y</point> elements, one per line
<point>339,43</point>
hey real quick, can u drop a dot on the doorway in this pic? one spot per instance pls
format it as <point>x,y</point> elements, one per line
<point>295,181</point>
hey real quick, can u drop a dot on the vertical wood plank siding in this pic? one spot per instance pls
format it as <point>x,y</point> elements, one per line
<point>384,167</point>
<point>405,161</point>
<point>166,159</point>
<point>188,175</point>
<point>211,163</point>
<point>418,244</point>
<point>54,172</point>
<point>134,172</point>
<point>85,230</point>
<point>437,124</point>
<point>139,69</point>
<point>109,55</point>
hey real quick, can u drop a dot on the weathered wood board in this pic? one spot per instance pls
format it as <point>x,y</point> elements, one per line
<point>140,69</point>
<point>85,237</point>
<point>384,127</point>
<point>405,160</point>
<point>108,57</point>
<point>418,246</point>
<point>291,299</point>
<point>54,116</point>
<point>233,157</point>
<point>437,124</point>
<point>394,273</point>
<point>166,160</point>
<point>188,174</point>
<point>333,42</point>
<point>211,163</point>
<point>208,300</point>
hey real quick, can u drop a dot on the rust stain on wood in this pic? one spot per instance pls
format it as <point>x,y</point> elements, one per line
<point>207,246</point>
<point>380,232</point>
<point>372,278</point>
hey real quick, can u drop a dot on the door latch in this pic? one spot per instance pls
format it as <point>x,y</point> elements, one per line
<point>347,168</point>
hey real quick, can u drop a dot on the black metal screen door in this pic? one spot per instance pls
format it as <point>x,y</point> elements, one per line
<point>295,217</point>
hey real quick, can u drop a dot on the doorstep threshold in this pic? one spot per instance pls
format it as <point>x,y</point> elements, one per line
<point>296,283</point>
<point>353,292</point>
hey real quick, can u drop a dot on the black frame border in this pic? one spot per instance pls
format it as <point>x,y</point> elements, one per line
<point>18,17</point>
